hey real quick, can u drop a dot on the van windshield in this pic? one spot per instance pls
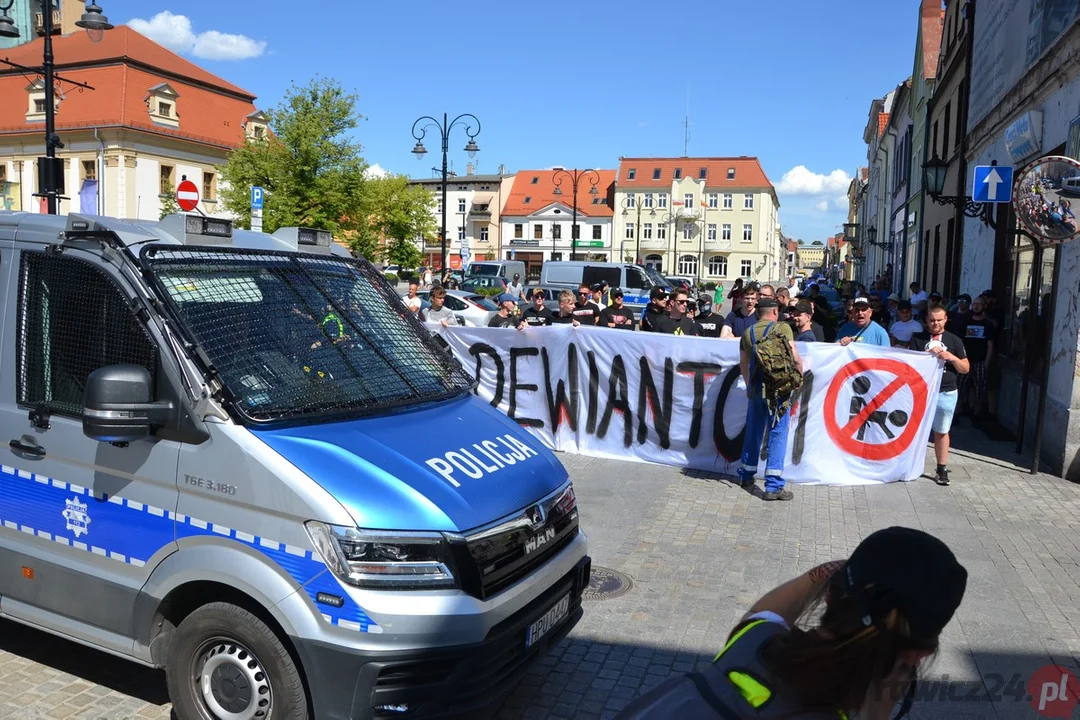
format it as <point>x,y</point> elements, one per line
<point>297,337</point>
<point>655,277</point>
<point>482,269</point>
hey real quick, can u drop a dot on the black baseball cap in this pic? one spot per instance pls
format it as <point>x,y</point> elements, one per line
<point>935,294</point>
<point>804,307</point>
<point>964,298</point>
<point>658,293</point>
<point>752,286</point>
<point>767,302</point>
<point>904,305</point>
<point>597,287</point>
<point>911,571</point>
<point>615,293</point>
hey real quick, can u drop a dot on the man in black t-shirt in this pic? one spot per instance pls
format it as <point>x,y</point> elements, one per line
<point>655,318</point>
<point>565,316</point>
<point>980,332</point>
<point>946,346</point>
<point>617,316</point>
<point>682,321</point>
<point>710,322</point>
<point>537,315</point>
<point>586,311</point>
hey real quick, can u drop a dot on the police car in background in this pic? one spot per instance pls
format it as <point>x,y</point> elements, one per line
<point>239,457</point>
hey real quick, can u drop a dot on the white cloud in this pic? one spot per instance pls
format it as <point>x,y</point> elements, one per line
<point>800,180</point>
<point>175,33</point>
<point>376,171</point>
<point>841,202</point>
<point>823,205</point>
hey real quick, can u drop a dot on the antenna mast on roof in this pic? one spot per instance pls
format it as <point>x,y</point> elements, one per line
<point>686,124</point>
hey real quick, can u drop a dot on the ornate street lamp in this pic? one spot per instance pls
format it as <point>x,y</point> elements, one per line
<point>444,129</point>
<point>575,176</point>
<point>935,170</point>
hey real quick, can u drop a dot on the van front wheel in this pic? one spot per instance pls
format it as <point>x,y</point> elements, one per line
<point>226,664</point>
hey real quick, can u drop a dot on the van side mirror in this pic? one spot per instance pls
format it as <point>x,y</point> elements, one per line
<point>118,404</point>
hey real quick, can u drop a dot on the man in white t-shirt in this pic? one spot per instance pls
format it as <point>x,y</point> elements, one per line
<point>516,288</point>
<point>902,330</point>
<point>918,300</point>
<point>413,301</point>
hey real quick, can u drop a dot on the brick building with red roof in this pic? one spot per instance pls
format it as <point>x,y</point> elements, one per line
<point>151,119</point>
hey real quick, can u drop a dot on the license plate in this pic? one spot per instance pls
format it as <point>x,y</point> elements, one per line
<point>550,619</point>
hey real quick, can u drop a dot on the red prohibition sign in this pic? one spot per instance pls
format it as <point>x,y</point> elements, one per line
<point>845,437</point>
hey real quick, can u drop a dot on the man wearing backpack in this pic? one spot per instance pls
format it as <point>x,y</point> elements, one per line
<point>772,373</point>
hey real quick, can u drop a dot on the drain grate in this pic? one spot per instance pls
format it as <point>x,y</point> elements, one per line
<point>606,584</point>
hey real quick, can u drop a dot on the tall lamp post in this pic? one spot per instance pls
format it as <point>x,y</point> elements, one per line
<point>50,169</point>
<point>575,177</point>
<point>626,203</point>
<point>444,128</point>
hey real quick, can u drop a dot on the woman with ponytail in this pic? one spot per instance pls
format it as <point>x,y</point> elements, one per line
<point>847,636</point>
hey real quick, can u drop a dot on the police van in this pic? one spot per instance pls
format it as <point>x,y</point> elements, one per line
<point>238,457</point>
<point>636,281</point>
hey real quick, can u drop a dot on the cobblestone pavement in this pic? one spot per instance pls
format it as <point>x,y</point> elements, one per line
<point>700,551</point>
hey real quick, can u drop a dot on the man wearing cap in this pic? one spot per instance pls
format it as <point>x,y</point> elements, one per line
<point>743,317</point>
<point>586,311</point>
<point>505,318</point>
<point>759,420</point>
<point>516,288</point>
<point>903,329</point>
<point>710,322</point>
<point>802,319</point>
<point>537,314</point>
<point>655,317</point>
<point>861,328</point>
<point>617,316</point>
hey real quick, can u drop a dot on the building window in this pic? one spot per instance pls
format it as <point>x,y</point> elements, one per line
<point>166,184</point>
<point>461,233</point>
<point>646,231</point>
<point>726,231</point>
<point>712,231</point>
<point>438,206</point>
<point>631,201</point>
<point>702,173</point>
<point>461,205</point>
<point>89,170</point>
<point>39,106</point>
<point>656,174</point>
<point>519,230</point>
<point>556,231</point>
<point>687,231</point>
<point>688,265</point>
<point>661,200</point>
<point>747,233</point>
<point>714,200</point>
<point>629,231</point>
<point>3,172</point>
<point>678,173</point>
<point>731,173</point>
<point>718,265</point>
<point>535,179</point>
<point>648,200</point>
<point>688,200</point>
<point>597,232</point>
<point>538,231</point>
<point>745,268</point>
<point>528,199</point>
<point>748,201</point>
<point>631,173</point>
<point>556,257</point>
<point>63,301</point>
<point>484,234</point>
<point>209,187</point>
<point>727,201</point>
<point>164,109</point>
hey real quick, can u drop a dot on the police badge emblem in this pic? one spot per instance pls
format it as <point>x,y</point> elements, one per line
<point>78,520</point>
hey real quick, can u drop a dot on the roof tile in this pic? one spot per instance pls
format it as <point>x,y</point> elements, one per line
<point>541,193</point>
<point>748,172</point>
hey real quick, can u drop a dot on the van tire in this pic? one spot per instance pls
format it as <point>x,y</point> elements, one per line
<point>227,632</point>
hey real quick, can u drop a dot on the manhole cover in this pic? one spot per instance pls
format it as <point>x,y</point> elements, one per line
<point>606,584</point>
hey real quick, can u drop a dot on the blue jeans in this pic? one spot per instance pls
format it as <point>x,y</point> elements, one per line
<point>758,422</point>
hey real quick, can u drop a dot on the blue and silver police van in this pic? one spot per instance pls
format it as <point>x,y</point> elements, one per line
<point>238,457</point>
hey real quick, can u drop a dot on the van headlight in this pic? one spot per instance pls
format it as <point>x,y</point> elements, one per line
<point>384,559</point>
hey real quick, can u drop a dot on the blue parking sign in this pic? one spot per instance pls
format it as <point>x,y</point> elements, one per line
<point>992,184</point>
<point>256,197</point>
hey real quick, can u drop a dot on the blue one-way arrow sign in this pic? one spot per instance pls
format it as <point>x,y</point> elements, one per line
<point>992,184</point>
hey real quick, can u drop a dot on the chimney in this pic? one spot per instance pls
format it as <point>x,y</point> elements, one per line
<point>502,169</point>
<point>470,169</point>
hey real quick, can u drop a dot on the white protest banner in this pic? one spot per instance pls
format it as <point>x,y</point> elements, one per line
<point>863,414</point>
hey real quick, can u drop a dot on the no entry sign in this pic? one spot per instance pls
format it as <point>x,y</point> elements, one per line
<point>869,408</point>
<point>187,195</point>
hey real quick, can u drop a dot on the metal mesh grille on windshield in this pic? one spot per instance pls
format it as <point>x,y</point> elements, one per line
<point>299,337</point>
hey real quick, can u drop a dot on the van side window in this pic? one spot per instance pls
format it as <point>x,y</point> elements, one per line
<point>636,279</point>
<point>73,319</point>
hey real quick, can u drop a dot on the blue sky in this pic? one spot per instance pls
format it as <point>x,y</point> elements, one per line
<point>579,84</point>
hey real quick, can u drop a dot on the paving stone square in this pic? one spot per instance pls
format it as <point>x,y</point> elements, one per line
<point>700,551</point>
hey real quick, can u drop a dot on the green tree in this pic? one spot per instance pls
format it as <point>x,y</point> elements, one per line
<point>312,171</point>
<point>399,213</point>
<point>169,205</point>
